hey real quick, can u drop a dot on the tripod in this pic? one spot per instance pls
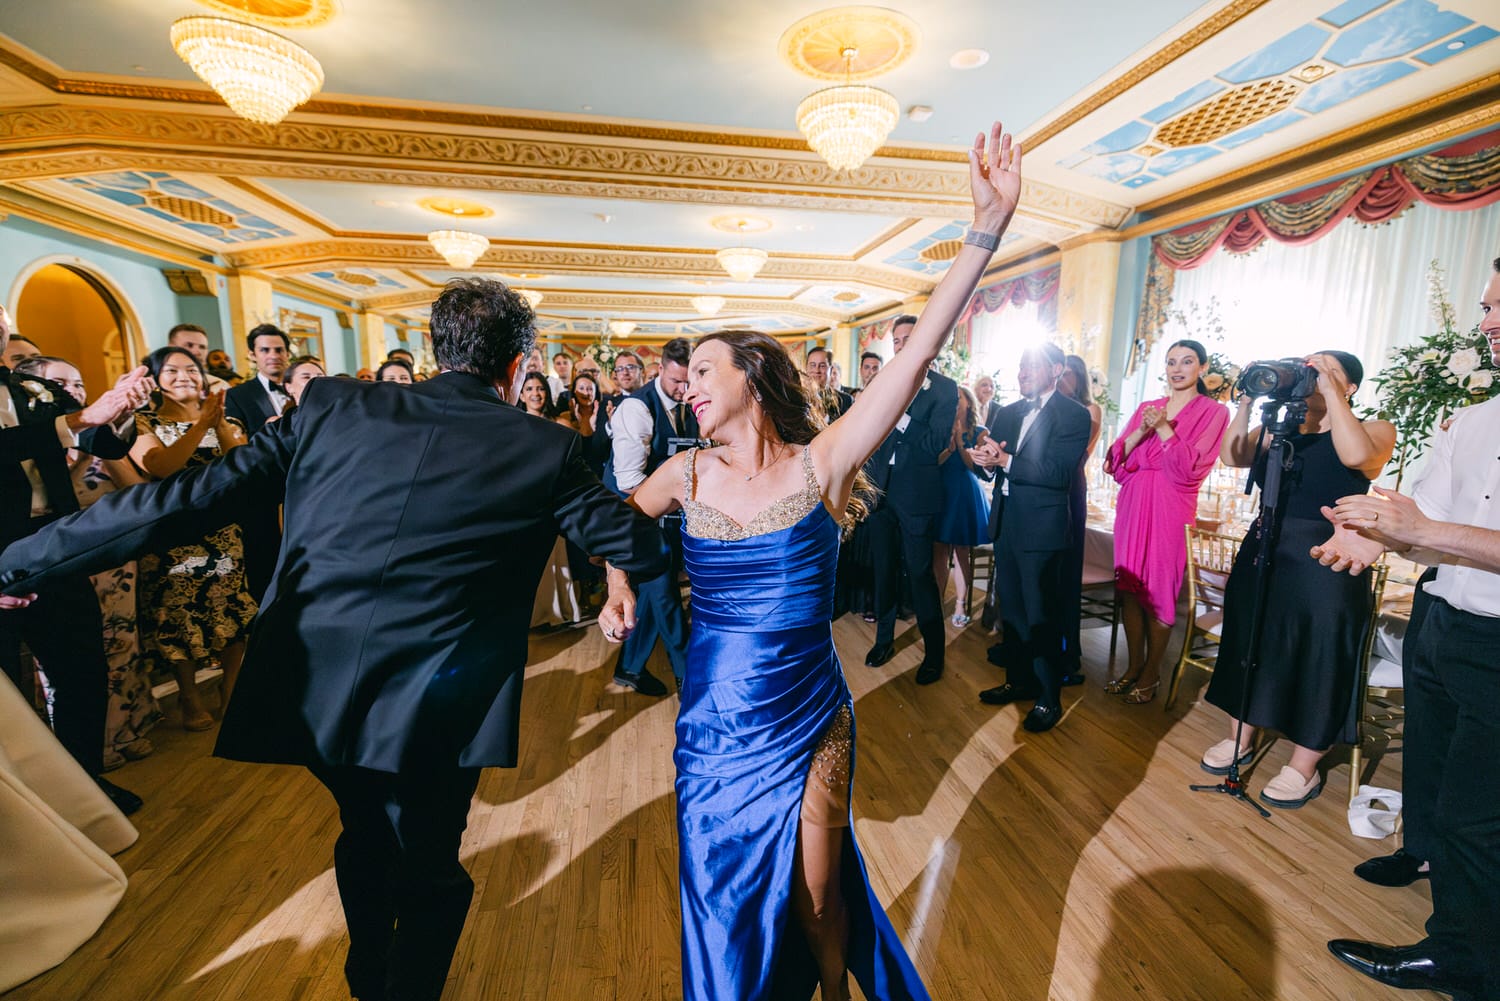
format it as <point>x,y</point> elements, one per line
<point>1281,419</point>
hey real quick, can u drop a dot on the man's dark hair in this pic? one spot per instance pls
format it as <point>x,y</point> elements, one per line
<point>679,350</point>
<point>13,338</point>
<point>625,354</point>
<point>902,321</point>
<point>871,354</point>
<point>182,327</point>
<point>1497,265</point>
<point>480,326</point>
<point>393,352</point>
<point>266,330</point>
<point>820,349</point>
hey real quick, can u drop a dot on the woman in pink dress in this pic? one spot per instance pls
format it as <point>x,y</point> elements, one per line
<point>1160,461</point>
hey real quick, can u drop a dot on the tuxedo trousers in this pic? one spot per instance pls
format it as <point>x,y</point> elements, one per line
<point>1452,735</point>
<point>65,632</point>
<point>897,541</point>
<point>658,613</point>
<point>405,893</point>
<point>1033,599</point>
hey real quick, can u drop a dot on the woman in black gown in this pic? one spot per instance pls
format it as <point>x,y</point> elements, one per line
<point>1307,678</point>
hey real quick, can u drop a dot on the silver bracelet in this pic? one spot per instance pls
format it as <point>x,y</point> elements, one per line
<point>984,241</point>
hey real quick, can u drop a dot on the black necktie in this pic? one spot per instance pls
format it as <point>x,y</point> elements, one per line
<point>678,413</point>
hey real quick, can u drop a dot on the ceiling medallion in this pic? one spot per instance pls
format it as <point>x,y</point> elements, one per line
<point>943,250</point>
<point>259,74</point>
<point>455,207</point>
<point>277,13</point>
<point>355,278</point>
<point>847,297</point>
<point>1229,112</point>
<point>533,298</point>
<point>740,224</point>
<point>708,305</point>
<point>1313,71</point>
<point>190,210</point>
<point>458,248</point>
<point>846,124</point>
<point>742,263</point>
<point>815,45</point>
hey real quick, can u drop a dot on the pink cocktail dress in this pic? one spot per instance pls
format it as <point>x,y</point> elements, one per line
<point>1159,483</point>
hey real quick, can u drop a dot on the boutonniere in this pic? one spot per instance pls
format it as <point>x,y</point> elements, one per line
<point>927,383</point>
<point>38,393</point>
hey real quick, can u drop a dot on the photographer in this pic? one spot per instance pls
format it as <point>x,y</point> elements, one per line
<point>1307,674</point>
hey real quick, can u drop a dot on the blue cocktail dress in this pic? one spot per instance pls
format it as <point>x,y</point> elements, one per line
<point>765,712</point>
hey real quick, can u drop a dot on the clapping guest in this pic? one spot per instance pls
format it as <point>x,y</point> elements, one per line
<point>989,408</point>
<point>394,370</point>
<point>1075,383</point>
<point>1168,448</point>
<point>536,396</point>
<point>582,415</point>
<point>1308,668</point>
<point>193,600</point>
<point>965,518</point>
<point>132,708</point>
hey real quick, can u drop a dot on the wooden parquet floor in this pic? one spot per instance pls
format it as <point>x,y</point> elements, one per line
<point>1072,865</point>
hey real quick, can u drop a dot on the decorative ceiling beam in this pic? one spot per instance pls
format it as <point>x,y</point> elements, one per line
<point>561,299</point>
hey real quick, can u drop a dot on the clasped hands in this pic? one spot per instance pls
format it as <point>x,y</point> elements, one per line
<point>989,454</point>
<point>1366,525</point>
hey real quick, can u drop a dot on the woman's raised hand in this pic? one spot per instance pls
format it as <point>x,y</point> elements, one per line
<point>994,179</point>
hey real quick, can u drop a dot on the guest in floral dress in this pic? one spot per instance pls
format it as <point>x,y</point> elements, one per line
<point>194,604</point>
<point>132,709</point>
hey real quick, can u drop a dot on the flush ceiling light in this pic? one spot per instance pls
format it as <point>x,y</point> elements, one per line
<point>742,263</point>
<point>621,328</point>
<point>708,305</point>
<point>845,125</point>
<point>259,74</point>
<point>458,248</point>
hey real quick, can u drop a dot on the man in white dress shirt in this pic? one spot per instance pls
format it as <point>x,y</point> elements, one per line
<point>1452,733</point>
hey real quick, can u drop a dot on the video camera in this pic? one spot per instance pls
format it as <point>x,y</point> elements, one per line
<point>1283,379</point>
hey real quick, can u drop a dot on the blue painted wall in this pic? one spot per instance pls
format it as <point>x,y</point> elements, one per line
<point>336,338</point>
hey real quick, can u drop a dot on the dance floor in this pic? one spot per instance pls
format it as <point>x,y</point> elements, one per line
<point>1070,865</point>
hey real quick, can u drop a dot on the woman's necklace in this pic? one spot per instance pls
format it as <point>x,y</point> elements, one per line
<point>781,455</point>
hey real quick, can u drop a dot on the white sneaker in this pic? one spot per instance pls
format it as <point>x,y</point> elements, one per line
<point>1217,759</point>
<point>1289,790</point>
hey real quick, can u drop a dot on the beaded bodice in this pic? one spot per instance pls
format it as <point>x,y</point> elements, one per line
<point>708,522</point>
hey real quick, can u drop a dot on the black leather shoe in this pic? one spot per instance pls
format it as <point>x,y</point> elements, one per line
<point>124,800</point>
<point>930,671</point>
<point>1042,718</point>
<point>1069,680</point>
<point>1399,869</point>
<point>645,683</point>
<point>1004,695</point>
<point>1409,967</point>
<point>996,655</point>
<point>879,654</point>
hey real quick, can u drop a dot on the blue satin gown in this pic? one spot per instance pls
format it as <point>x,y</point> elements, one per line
<point>763,687</point>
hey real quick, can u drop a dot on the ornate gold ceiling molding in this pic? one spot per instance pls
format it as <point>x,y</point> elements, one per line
<point>298,257</point>
<point>93,227</point>
<point>1180,46</point>
<point>617,302</point>
<point>33,138</point>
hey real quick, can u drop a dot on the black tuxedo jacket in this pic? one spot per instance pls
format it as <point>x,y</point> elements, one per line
<point>912,485</point>
<point>418,521</point>
<point>1040,473</point>
<point>250,404</point>
<point>35,438</point>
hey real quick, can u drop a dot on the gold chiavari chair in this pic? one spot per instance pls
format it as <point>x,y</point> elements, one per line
<point>1382,714</point>
<point>1210,557</point>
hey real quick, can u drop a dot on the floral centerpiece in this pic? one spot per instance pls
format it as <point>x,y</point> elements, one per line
<point>1425,383</point>
<point>954,362</point>
<point>1221,378</point>
<point>603,351</point>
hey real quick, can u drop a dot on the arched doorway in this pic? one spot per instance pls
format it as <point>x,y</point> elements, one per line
<point>72,314</point>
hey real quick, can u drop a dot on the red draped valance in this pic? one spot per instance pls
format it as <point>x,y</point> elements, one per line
<point>1037,286</point>
<point>1465,175</point>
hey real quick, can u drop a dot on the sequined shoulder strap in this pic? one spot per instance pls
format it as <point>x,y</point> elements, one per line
<point>808,471</point>
<point>690,474</point>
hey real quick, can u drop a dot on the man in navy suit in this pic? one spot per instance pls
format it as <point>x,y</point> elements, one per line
<point>1033,452</point>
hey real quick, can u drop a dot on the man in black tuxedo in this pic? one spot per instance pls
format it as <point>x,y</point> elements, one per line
<point>255,403</point>
<point>836,402</point>
<point>648,427</point>
<point>39,422</point>
<point>902,527</point>
<point>1033,451</point>
<point>389,654</point>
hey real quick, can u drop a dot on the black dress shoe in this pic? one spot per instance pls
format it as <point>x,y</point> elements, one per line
<point>1042,718</point>
<point>1409,967</point>
<point>930,671</point>
<point>996,655</point>
<point>879,654</point>
<point>1069,680</point>
<point>1399,869</point>
<point>645,683</point>
<point>124,800</point>
<point>1004,695</point>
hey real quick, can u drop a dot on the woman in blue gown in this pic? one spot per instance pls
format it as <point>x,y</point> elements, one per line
<point>775,900</point>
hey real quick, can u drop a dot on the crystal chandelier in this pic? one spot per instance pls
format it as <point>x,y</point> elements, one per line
<point>459,249</point>
<point>742,263</point>
<point>707,305</point>
<point>846,124</point>
<point>259,74</point>
<point>621,328</point>
<point>532,297</point>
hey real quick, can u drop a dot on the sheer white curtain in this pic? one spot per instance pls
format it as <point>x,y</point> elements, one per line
<point>1361,289</point>
<point>996,341</point>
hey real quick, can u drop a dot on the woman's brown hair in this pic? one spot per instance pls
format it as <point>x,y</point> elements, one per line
<point>777,386</point>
